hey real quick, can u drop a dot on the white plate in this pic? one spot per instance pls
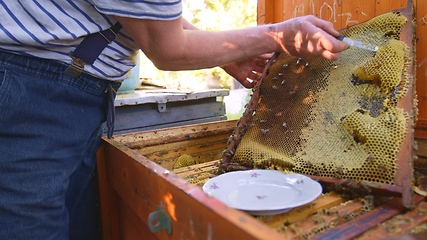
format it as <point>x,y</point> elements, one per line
<point>263,192</point>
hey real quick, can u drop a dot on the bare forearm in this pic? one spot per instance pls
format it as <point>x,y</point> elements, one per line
<point>170,47</point>
<point>247,71</point>
<point>176,45</point>
<point>188,25</point>
<point>204,49</point>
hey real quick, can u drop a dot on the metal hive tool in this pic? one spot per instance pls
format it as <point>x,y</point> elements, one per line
<point>348,122</point>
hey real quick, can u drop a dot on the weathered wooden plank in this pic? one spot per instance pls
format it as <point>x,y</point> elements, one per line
<point>421,55</point>
<point>202,150</point>
<point>197,169</point>
<point>189,146</point>
<point>269,11</point>
<point>110,226</point>
<point>383,6</point>
<point>296,8</point>
<point>341,13</point>
<point>355,11</point>
<point>329,10</point>
<point>404,175</point>
<point>169,162</point>
<point>325,201</point>
<point>421,148</point>
<point>174,134</point>
<point>363,223</point>
<point>131,224</point>
<point>261,12</point>
<point>173,124</point>
<point>320,222</point>
<point>398,225</point>
<point>278,10</point>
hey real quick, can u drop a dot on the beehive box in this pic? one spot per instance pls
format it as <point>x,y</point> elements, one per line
<point>138,186</point>
<point>132,187</point>
<point>136,190</point>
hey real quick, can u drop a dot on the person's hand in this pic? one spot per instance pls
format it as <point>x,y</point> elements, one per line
<point>247,72</point>
<point>309,36</point>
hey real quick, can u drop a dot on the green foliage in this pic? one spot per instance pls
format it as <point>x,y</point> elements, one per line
<point>220,14</point>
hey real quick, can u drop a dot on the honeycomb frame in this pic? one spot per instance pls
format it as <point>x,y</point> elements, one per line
<point>401,183</point>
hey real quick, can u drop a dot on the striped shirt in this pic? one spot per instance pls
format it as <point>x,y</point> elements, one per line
<point>52,28</point>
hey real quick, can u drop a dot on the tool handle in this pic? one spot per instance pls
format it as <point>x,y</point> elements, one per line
<point>341,37</point>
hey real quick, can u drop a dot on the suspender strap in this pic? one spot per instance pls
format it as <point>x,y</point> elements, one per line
<point>86,53</point>
<point>90,48</point>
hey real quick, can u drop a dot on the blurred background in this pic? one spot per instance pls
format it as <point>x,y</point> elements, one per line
<point>212,15</point>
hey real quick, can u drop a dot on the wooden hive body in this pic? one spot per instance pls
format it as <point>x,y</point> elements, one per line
<point>133,186</point>
<point>137,181</point>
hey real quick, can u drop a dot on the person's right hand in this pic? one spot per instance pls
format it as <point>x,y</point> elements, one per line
<point>309,36</point>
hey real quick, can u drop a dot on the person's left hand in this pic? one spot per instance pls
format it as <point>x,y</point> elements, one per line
<point>247,72</point>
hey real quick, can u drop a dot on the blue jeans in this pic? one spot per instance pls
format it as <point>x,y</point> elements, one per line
<point>50,129</point>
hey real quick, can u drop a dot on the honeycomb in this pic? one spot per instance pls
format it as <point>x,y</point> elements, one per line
<point>199,179</point>
<point>184,160</point>
<point>337,119</point>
